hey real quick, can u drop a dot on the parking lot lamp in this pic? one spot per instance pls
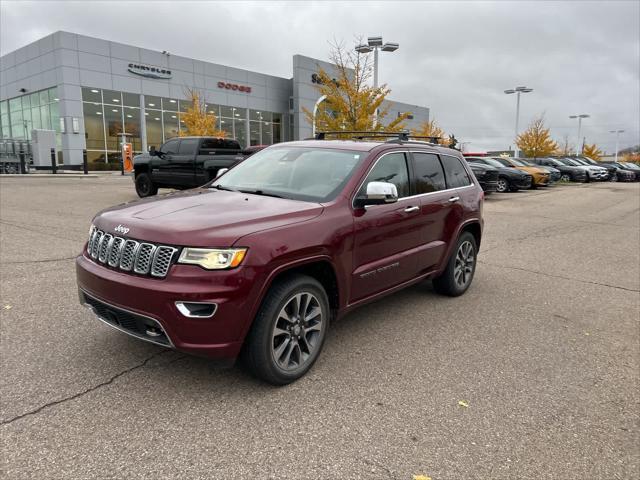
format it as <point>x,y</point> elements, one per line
<point>518,91</point>
<point>373,45</point>
<point>617,132</point>
<point>579,117</point>
<point>315,112</point>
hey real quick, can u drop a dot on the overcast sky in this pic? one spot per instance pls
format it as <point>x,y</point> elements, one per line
<point>456,58</point>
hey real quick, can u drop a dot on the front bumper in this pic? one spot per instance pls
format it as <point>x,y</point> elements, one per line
<point>145,300</point>
<point>523,183</point>
<point>488,185</point>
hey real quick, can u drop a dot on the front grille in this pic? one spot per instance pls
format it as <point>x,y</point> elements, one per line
<point>130,255</point>
<point>136,325</point>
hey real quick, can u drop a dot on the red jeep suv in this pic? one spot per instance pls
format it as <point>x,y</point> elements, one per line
<point>258,262</point>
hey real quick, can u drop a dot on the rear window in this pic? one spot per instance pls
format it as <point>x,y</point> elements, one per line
<point>188,146</point>
<point>212,144</point>
<point>455,172</point>
<point>428,172</point>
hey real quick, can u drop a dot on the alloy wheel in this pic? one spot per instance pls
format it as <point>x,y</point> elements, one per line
<point>465,263</point>
<point>503,186</point>
<point>297,331</point>
<point>565,177</point>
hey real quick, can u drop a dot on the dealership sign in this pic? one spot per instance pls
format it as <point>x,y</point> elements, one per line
<point>149,71</point>
<point>234,86</point>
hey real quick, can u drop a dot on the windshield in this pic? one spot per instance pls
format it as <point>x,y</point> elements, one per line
<point>525,163</point>
<point>516,162</point>
<point>493,162</point>
<point>579,162</point>
<point>568,161</point>
<point>310,174</point>
<point>553,162</point>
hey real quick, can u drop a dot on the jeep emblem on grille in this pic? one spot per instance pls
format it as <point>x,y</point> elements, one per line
<point>121,229</point>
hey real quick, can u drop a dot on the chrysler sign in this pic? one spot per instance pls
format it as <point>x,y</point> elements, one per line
<point>149,71</point>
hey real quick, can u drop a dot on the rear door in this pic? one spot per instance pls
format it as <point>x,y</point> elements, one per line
<point>388,238</point>
<point>458,193</point>
<point>437,207</point>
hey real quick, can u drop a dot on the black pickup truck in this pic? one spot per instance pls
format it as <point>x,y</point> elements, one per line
<point>184,162</point>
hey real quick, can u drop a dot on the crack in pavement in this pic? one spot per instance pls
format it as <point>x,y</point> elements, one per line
<point>88,390</point>
<point>40,232</point>
<point>560,276</point>
<point>46,260</point>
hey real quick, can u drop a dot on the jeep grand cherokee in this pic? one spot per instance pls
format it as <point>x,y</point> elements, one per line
<point>258,262</point>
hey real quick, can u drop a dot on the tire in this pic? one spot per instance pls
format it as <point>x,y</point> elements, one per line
<point>614,178</point>
<point>461,266</point>
<point>279,339</point>
<point>565,177</point>
<point>145,186</point>
<point>503,185</point>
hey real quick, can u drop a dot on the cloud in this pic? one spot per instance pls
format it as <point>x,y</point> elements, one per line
<point>454,57</point>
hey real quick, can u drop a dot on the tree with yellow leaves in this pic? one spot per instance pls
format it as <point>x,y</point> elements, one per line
<point>536,140</point>
<point>592,151</point>
<point>350,103</point>
<point>197,121</point>
<point>431,129</point>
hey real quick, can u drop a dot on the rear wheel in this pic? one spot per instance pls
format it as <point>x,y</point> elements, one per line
<point>289,330</point>
<point>457,276</point>
<point>503,185</point>
<point>565,177</point>
<point>145,186</point>
<point>614,177</point>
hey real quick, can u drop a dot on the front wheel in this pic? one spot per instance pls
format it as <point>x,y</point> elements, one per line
<point>565,177</point>
<point>614,177</point>
<point>458,274</point>
<point>145,186</point>
<point>503,185</point>
<point>289,330</point>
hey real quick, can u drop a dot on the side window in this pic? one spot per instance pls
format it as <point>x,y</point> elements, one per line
<point>188,146</point>
<point>428,172</point>
<point>170,147</point>
<point>211,144</point>
<point>455,172</point>
<point>390,168</point>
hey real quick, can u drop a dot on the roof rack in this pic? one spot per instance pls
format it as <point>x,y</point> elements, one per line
<point>395,137</point>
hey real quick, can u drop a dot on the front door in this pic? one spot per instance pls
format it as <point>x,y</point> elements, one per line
<point>387,238</point>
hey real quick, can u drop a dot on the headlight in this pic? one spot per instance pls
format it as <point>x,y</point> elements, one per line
<point>213,258</point>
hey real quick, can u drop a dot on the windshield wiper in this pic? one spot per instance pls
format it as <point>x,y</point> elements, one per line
<point>261,192</point>
<point>228,189</point>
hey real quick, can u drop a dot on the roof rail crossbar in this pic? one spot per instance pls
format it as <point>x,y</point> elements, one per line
<point>396,137</point>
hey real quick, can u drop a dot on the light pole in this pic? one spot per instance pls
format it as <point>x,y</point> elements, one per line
<point>617,132</point>
<point>373,45</point>
<point>518,91</point>
<point>579,117</point>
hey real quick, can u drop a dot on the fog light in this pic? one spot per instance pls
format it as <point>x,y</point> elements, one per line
<point>197,309</point>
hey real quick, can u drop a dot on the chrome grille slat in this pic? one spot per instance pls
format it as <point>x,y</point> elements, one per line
<point>162,260</point>
<point>105,245</point>
<point>129,255</point>
<point>96,243</point>
<point>143,258</point>
<point>116,252</point>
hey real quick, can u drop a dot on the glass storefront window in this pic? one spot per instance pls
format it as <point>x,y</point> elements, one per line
<point>91,95</point>
<point>170,124</point>
<point>267,138</point>
<point>55,119</point>
<point>132,126</point>
<point>131,100</point>
<point>267,116</point>
<point>53,94</point>
<point>254,133</point>
<point>170,104</point>
<point>277,127</point>
<point>152,102</point>
<point>111,98</point>
<point>226,124</point>
<point>113,124</point>
<point>255,115</point>
<point>154,128</point>
<point>35,100</point>
<point>26,102</point>
<point>241,132</point>
<point>93,126</point>
<point>44,97</point>
<point>45,117</point>
<point>226,111</point>
<point>184,105</point>
<point>4,109</point>
<point>212,108</point>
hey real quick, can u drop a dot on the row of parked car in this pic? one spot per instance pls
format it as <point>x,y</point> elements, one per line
<point>507,174</point>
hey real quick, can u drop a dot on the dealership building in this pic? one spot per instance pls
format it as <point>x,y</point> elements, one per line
<point>91,91</point>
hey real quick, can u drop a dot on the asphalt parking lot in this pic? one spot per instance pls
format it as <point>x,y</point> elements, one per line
<point>534,373</point>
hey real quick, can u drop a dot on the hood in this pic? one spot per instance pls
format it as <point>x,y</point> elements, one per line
<point>204,217</point>
<point>533,170</point>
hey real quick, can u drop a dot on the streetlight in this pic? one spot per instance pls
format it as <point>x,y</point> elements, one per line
<point>579,117</point>
<point>373,45</point>
<point>617,132</point>
<point>315,112</point>
<point>518,90</point>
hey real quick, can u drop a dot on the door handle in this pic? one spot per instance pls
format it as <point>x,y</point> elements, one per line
<point>411,209</point>
<point>454,199</point>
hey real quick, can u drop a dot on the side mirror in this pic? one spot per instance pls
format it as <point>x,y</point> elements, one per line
<point>378,193</point>
<point>152,151</point>
<point>221,172</point>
